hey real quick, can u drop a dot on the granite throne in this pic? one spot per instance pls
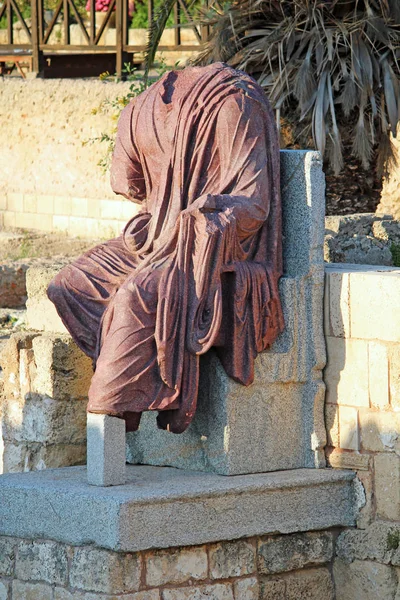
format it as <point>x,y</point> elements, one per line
<point>277,423</point>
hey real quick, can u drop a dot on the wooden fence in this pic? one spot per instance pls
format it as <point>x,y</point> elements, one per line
<point>38,30</point>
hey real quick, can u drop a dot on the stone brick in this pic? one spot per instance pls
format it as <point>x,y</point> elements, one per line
<point>42,419</point>
<point>15,457</point>
<point>15,202</point>
<point>7,556</point>
<point>366,513</point>
<point>83,226</point>
<point>364,580</point>
<point>63,371</point>
<point>109,228</point>
<point>60,223</point>
<point>93,208</point>
<point>4,588</point>
<point>8,219</point>
<point>246,589</point>
<point>97,570</point>
<point>147,595</point>
<point>79,207</point>
<point>310,584</point>
<point>32,456</point>
<point>45,204</point>
<point>62,205</point>
<point>30,203</point>
<point>128,210</point>
<point>387,486</point>
<point>375,293</point>
<point>338,291</point>
<point>277,554</point>
<point>110,209</point>
<point>31,591</point>
<point>346,373</point>
<point>232,559</point>
<point>378,375</point>
<point>340,459</point>
<point>106,450</point>
<point>219,591</point>
<point>394,375</point>
<point>332,424</point>
<point>10,361</point>
<point>63,594</point>
<point>26,220</point>
<point>348,428</point>
<point>177,566</point>
<point>380,431</point>
<point>43,561</point>
<point>379,542</point>
<point>272,589</point>
<point>41,313</point>
<point>45,222</point>
<point>13,283</point>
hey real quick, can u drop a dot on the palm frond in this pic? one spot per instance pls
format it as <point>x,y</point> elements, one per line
<point>322,60</point>
<point>157,26</point>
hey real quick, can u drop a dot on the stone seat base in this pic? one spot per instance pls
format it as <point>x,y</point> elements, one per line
<point>161,507</point>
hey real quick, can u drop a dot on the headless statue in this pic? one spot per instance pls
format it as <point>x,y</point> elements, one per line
<point>198,266</point>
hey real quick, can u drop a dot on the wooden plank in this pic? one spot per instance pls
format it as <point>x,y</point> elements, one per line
<point>52,22</point>
<point>21,19</point>
<point>105,22</point>
<point>35,37</point>
<point>79,19</point>
<point>10,33</point>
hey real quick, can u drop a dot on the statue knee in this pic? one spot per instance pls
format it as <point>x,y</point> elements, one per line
<point>55,289</point>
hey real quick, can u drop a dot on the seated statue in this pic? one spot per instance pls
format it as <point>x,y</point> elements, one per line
<point>198,266</point>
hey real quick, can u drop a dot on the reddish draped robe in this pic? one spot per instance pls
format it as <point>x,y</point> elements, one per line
<point>199,265</point>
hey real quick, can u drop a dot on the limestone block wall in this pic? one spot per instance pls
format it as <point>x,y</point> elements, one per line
<point>50,180</point>
<point>362,376</point>
<point>43,402</point>
<point>277,567</point>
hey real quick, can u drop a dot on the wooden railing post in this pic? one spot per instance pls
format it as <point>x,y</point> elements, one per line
<point>205,30</point>
<point>119,35</point>
<point>35,34</point>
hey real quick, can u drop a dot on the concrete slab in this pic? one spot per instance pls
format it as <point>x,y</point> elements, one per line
<point>161,507</point>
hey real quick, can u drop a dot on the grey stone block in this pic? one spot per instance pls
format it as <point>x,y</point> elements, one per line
<point>303,211</point>
<point>280,416</point>
<point>42,561</point>
<point>97,570</point>
<point>232,559</point>
<point>105,450</point>
<point>166,507</point>
<point>7,556</point>
<point>277,554</point>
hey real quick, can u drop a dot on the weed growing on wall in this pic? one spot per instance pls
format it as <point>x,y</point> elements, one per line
<point>112,107</point>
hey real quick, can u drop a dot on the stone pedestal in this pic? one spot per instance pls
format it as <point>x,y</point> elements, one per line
<point>172,534</point>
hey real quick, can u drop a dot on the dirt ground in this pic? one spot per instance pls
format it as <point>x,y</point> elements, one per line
<point>19,244</point>
<point>25,246</point>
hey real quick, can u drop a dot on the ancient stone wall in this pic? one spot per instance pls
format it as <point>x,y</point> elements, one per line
<point>390,199</point>
<point>278,567</point>
<point>43,404</point>
<point>50,178</point>
<point>362,328</point>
